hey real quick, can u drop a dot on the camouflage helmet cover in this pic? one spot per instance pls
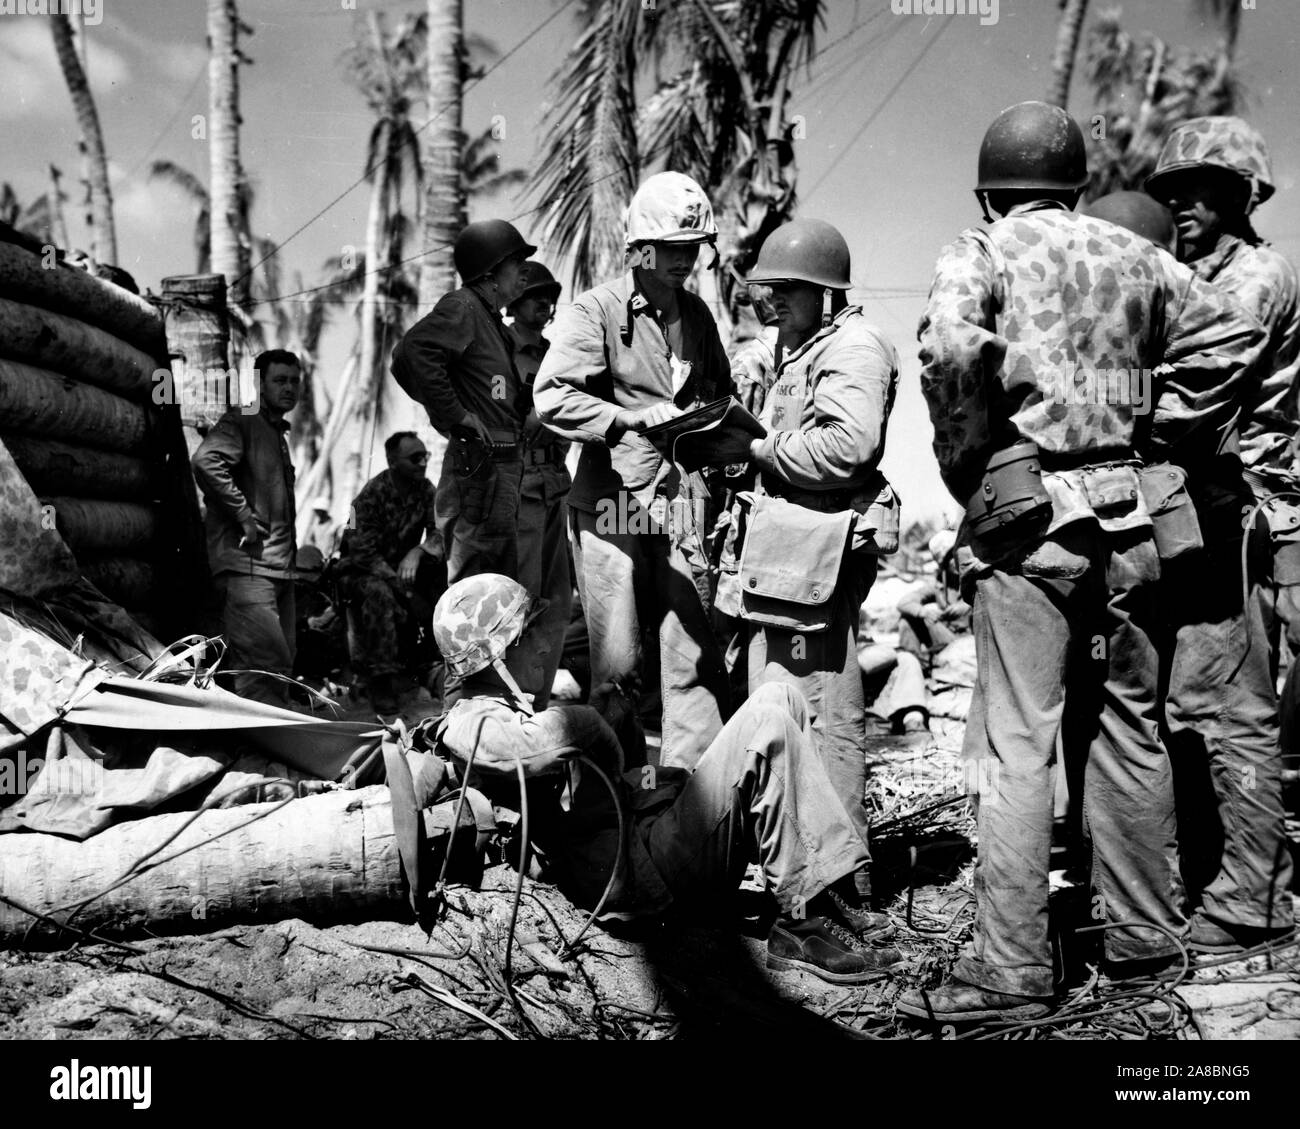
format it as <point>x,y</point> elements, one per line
<point>478,618</point>
<point>669,207</point>
<point>1222,142</point>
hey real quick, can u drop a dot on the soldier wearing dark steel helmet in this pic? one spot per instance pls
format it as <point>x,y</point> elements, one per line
<point>1141,214</point>
<point>1029,342</point>
<point>1223,708</point>
<point>631,841</point>
<point>543,509</point>
<point>816,476</point>
<point>459,362</point>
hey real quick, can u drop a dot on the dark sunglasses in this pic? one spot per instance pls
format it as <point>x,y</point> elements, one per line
<point>417,459</point>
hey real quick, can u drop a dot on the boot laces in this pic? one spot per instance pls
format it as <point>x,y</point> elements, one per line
<point>846,937</point>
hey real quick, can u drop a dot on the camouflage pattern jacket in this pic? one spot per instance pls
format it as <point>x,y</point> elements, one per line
<point>387,523</point>
<point>1264,281</point>
<point>1084,338</point>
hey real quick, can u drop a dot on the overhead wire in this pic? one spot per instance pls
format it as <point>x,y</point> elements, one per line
<point>880,106</point>
<point>370,169</point>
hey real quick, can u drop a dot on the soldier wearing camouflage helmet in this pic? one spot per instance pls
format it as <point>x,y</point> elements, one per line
<point>634,841</point>
<point>459,363</point>
<point>1223,708</point>
<point>1028,327</point>
<point>624,356</point>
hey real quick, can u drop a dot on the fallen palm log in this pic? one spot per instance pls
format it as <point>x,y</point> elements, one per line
<point>52,466</point>
<point>94,525</point>
<point>24,277</point>
<point>71,347</point>
<point>36,401</point>
<point>127,581</point>
<point>329,858</point>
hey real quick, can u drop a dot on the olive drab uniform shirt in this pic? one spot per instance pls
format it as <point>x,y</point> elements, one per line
<point>827,408</point>
<point>1043,327</point>
<point>609,352</point>
<point>528,360</point>
<point>1264,281</point>
<point>460,358</point>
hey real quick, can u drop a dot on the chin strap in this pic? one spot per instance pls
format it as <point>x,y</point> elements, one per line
<point>525,704</point>
<point>983,198</point>
<point>828,316</point>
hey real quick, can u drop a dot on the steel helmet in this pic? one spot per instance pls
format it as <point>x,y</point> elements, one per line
<point>482,247</point>
<point>478,618</point>
<point>1219,142</point>
<point>1032,145</point>
<point>1137,212</point>
<point>804,251</point>
<point>538,283</point>
<point>669,208</point>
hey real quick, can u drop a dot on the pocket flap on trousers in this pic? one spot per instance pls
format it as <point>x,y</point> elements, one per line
<point>793,553</point>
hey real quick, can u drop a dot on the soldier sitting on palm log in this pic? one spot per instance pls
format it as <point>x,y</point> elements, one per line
<point>392,568</point>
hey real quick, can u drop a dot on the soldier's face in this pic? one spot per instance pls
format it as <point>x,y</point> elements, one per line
<point>798,307</point>
<point>280,387</point>
<point>1203,203</point>
<point>669,264</point>
<point>510,277</point>
<point>534,313</point>
<point>526,657</point>
<point>411,460</point>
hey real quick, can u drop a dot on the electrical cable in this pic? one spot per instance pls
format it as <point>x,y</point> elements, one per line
<point>570,947</point>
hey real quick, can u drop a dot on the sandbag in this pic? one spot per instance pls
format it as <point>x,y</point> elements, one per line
<point>36,401</point>
<point>74,348</point>
<point>79,294</point>
<point>92,525</point>
<point>323,858</point>
<point>54,467</point>
<point>128,581</point>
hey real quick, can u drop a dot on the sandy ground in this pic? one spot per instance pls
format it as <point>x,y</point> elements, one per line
<point>677,979</point>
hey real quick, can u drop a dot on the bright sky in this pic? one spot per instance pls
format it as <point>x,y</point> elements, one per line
<point>894,108</point>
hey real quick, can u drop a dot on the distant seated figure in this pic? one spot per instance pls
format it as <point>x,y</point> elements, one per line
<point>324,532</point>
<point>392,569</point>
<point>929,618</point>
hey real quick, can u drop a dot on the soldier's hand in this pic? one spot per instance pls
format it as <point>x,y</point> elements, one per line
<point>252,538</point>
<point>607,700</point>
<point>648,417</point>
<point>409,566</point>
<point>472,425</point>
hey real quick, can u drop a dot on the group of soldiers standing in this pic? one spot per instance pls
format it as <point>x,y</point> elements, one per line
<point>1128,559</point>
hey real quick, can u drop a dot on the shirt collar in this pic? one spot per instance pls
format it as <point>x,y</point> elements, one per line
<point>281,425</point>
<point>824,331</point>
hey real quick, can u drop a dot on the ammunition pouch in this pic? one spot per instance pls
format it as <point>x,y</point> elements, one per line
<point>1283,517</point>
<point>877,517</point>
<point>1011,508</point>
<point>1174,523</point>
<point>791,563</point>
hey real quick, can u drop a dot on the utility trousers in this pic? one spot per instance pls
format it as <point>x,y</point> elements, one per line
<point>1072,620</point>
<point>1222,712</point>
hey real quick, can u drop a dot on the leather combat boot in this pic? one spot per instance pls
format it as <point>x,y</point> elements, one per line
<point>828,950</point>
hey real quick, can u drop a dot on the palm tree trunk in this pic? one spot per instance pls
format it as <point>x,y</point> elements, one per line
<point>229,256</point>
<point>58,229</point>
<point>444,200</point>
<point>1067,43</point>
<point>369,379</point>
<point>104,248</point>
<point>443,210</point>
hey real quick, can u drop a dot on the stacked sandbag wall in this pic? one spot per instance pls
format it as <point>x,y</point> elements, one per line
<point>88,417</point>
